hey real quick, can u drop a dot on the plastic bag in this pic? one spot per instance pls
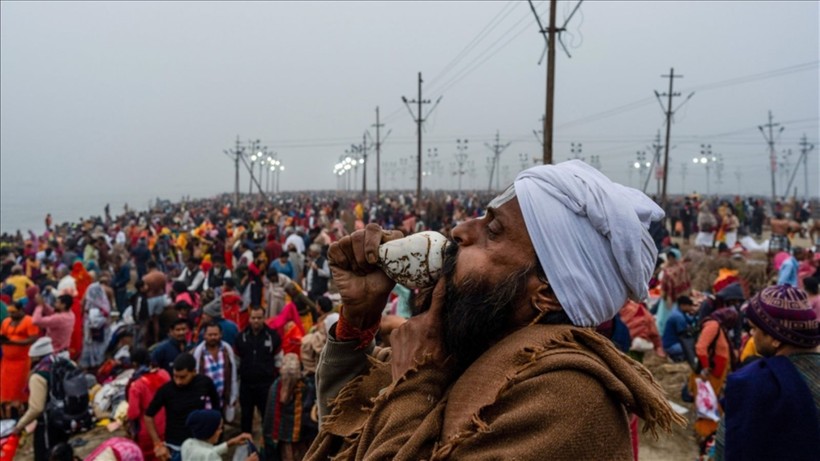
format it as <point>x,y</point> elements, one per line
<point>241,453</point>
<point>706,401</point>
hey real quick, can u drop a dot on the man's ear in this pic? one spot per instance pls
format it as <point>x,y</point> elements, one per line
<point>543,298</point>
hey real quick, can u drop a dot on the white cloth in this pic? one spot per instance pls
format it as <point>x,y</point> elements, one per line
<point>229,355</point>
<point>705,239</point>
<point>731,239</point>
<point>591,237</point>
<point>297,241</point>
<point>67,286</point>
<point>200,450</point>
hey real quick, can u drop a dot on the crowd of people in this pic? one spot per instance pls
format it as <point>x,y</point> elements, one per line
<point>216,316</point>
<point>206,304</point>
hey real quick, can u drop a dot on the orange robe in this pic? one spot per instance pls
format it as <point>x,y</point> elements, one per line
<point>16,363</point>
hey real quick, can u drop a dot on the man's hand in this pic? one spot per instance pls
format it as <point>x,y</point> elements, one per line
<point>161,452</point>
<point>419,337</point>
<point>363,286</point>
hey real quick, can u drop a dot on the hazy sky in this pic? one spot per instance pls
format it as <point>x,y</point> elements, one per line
<point>113,102</point>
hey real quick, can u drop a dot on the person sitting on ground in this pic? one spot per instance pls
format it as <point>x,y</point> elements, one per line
<point>206,430</point>
<point>681,327</point>
<point>786,267</point>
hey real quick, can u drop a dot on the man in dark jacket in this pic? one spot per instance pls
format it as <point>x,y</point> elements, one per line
<point>167,351</point>
<point>257,348</point>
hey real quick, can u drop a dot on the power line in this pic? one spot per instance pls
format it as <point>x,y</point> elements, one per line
<point>705,87</point>
<point>482,34</point>
<point>475,64</point>
<point>489,27</point>
<point>759,76</point>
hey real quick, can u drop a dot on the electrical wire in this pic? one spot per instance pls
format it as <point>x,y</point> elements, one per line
<point>477,39</point>
<point>484,33</point>
<point>489,52</point>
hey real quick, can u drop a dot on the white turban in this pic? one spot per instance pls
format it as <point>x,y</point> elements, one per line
<point>591,237</point>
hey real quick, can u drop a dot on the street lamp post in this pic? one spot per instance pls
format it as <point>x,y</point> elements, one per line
<point>706,159</point>
<point>641,164</point>
<point>524,159</point>
<point>259,156</point>
<point>595,161</point>
<point>461,158</point>
<point>254,147</point>
<point>432,155</point>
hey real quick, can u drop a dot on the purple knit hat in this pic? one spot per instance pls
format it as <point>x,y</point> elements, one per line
<point>783,312</point>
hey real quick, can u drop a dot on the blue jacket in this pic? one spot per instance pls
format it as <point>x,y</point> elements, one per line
<point>166,352</point>
<point>770,413</point>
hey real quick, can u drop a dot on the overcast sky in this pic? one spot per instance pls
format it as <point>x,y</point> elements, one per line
<point>114,101</point>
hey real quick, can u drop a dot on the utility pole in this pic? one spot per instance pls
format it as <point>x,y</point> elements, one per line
<point>772,155</point>
<point>805,148</point>
<point>497,149</point>
<point>419,119</point>
<point>656,162</point>
<point>254,145</point>
<point>461,159</point>
<point>551,34</point>
<point>236,155</point>
<point>364,165</point>
<point>658,174</point>
<point>683,167</point>
<point>550,101</point>
<point>669,113</point>
<point>378,155</point>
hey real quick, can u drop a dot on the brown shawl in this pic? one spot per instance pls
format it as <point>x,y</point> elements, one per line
<point>544,392</point>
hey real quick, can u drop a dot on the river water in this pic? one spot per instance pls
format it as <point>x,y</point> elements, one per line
<point>28,210</point>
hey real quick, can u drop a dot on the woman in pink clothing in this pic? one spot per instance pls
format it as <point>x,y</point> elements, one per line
<point>144,384</point>
<point>58,323</point>
<point>289,314</point>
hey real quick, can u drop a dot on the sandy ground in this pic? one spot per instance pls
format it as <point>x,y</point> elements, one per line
<point>680,444</point>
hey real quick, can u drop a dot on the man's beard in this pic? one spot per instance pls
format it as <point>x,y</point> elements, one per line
<point>477,312</point>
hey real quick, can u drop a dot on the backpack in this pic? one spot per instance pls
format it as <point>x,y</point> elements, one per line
<point>68,410</point>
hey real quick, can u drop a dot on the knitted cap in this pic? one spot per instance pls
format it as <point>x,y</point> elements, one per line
<point>784,313</point>
<point>213,308</point>
<point>203,423</point>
